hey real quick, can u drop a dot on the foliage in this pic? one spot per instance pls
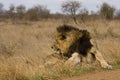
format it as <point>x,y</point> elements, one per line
<point>37,12</point>
<point>84,15</point>
<point>117,14</point>
<point>107,11</point>
<point>20,11</point>
<point>1,9</point>
<point>71,8</point>
<point>1,6</point>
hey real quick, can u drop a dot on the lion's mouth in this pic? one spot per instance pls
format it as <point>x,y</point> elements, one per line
<point>58,51</point>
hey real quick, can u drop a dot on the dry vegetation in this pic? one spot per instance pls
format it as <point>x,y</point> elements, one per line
<point>24,45</point>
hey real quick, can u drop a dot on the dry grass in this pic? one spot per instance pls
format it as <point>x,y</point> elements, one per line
<point>23,45</point>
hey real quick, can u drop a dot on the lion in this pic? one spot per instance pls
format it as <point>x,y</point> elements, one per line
<point>70,41</point>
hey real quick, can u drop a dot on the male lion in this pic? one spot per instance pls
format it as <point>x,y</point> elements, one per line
<point>70,40</point>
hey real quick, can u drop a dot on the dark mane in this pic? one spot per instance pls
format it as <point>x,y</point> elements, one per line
<point>82,45</point>
<point>66,28</point>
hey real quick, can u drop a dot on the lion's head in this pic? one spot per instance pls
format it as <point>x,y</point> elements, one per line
<point>69,39</point>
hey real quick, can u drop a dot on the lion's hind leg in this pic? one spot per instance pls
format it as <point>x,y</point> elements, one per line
<point>100,58</point>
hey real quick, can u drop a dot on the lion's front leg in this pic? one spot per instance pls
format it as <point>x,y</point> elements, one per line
<point>100,58</point>
<point>73,60</point>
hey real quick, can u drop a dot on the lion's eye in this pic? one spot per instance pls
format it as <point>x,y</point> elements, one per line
<point>63,37</point>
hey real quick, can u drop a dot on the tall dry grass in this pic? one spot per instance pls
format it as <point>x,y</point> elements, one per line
<point>24,45</point>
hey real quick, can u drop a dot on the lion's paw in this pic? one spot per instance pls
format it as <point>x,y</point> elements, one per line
<point>109,67</point>
<point>106,66</point>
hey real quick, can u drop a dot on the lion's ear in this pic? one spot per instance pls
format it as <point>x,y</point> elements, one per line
<point>63,37</point>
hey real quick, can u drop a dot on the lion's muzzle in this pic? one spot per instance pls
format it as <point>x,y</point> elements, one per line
<point>57,50</point>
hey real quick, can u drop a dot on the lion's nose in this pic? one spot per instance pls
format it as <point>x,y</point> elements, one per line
<point>58,49</point>
<point>52,47</point>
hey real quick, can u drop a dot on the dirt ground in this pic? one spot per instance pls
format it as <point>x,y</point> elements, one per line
<point>98,75</point>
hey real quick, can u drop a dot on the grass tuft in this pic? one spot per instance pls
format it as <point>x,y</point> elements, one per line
<point>22,78</point>
<point>83,70</point>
